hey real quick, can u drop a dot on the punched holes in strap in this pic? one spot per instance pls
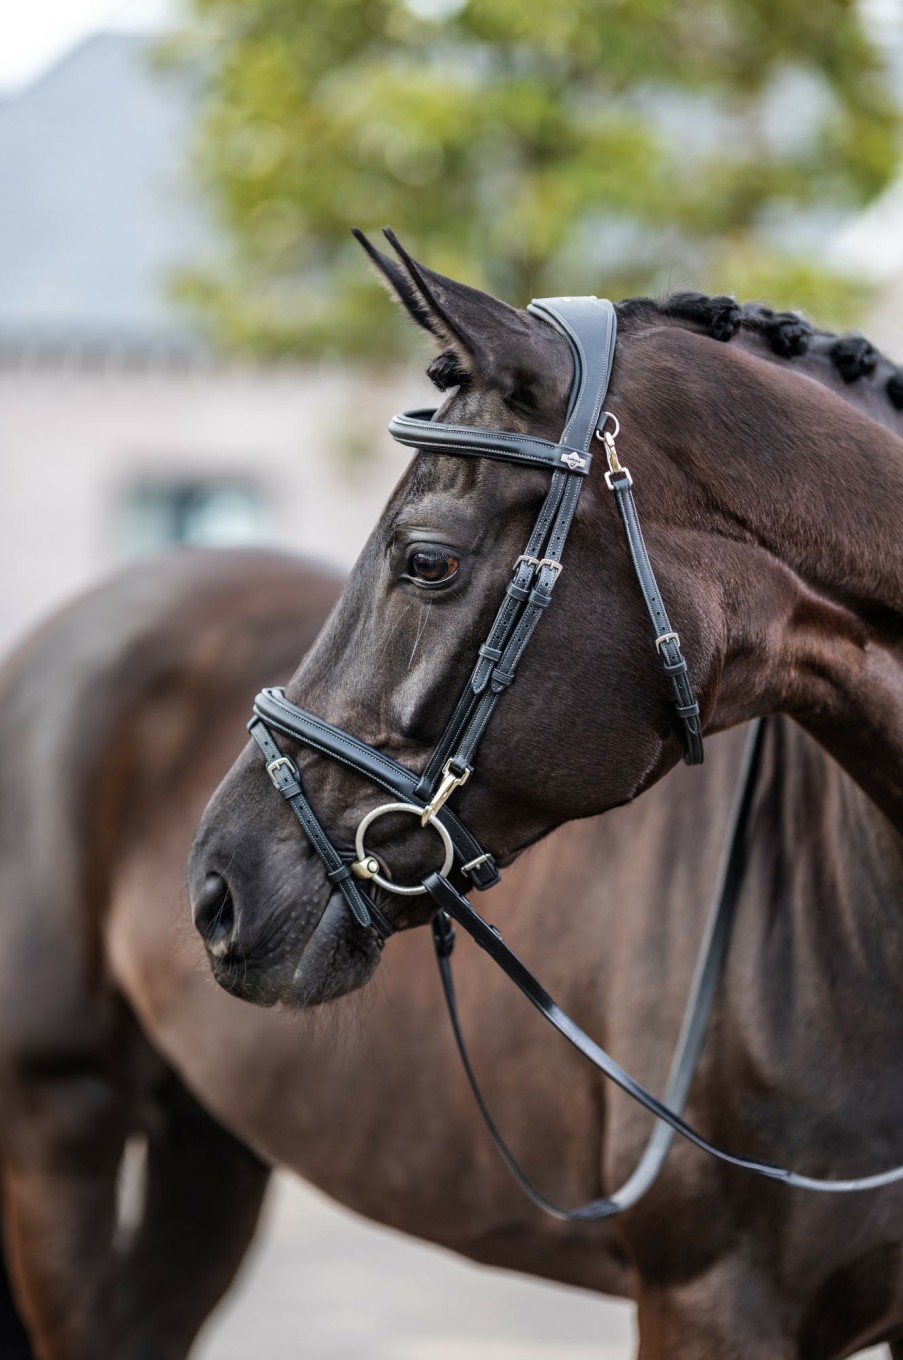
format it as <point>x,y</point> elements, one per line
<point>286,778</point>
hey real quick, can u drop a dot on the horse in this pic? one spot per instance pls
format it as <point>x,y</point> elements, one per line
<point>111,1029</point>
<point>118,717</point>
<point>772,510</point>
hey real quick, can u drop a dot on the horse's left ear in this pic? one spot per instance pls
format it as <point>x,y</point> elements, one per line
<point>487,338</point>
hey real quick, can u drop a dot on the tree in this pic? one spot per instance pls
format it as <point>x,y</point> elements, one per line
<point>527,146</point>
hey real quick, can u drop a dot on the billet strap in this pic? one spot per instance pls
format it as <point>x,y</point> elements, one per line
<point>286,779</point>
<point>697,1012</point>
<point>667,642</point>
<point>277,712</point>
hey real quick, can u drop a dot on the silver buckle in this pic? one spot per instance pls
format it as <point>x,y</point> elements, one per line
<point>289,765</point>
<point>666,637</point>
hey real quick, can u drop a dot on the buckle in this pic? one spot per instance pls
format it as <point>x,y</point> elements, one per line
<point>282,762</point>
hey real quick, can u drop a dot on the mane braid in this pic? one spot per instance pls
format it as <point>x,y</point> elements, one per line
<point>787,334</point>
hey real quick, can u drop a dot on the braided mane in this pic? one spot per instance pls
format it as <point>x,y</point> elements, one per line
<point>787,334</point>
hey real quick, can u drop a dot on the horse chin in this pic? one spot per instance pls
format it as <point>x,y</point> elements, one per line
<point>338,958</point>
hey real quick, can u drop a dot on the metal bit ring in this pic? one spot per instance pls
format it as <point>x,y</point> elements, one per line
<point>363,857</point>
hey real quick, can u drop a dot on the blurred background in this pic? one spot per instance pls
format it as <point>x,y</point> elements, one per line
<point>192,350</point>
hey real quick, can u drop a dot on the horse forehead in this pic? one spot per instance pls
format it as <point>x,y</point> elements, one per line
<point>443,489</point>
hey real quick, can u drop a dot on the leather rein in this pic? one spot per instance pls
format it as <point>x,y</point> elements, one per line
<point>590,327</point>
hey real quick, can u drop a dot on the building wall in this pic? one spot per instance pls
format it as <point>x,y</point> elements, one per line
<point>73,441</point>
<point>885,324</point>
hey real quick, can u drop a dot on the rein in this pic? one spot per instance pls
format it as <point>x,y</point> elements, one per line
<point>589,325</point>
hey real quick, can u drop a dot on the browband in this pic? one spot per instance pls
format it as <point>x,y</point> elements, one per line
<point>418,431</point>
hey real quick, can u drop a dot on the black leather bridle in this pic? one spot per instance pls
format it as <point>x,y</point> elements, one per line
<point>589,325</point>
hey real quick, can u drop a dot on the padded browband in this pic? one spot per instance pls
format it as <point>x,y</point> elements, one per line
<point>419,430</point>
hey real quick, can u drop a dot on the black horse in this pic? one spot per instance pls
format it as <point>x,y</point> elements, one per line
<point>772,511</point>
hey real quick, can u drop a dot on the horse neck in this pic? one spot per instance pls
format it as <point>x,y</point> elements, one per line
<point>803,503</point>
<point>867,393</point>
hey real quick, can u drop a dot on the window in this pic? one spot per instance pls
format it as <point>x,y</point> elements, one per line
<point>214,514</point>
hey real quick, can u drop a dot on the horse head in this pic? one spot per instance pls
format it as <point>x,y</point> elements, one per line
<point>589,723</point>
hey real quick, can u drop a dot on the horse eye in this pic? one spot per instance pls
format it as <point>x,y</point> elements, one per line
<point>431,566</point>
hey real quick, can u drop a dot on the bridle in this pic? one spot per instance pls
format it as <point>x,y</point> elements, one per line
<point>590,328</point>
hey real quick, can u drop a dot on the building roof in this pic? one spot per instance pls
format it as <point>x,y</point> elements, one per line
<point>95,209</point>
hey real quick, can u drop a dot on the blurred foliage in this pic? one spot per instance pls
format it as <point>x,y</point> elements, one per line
<point>529,147</point>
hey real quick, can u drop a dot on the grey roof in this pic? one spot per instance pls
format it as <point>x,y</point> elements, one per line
<point>94,209</point>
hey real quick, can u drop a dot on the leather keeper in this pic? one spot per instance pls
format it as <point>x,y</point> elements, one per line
<point>517,592</point>
<point>485,875</point>
<point>443,934</point>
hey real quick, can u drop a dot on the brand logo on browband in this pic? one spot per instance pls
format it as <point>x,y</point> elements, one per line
<point>573,460</point>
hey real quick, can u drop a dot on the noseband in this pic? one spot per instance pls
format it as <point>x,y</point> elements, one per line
<point>589,326</point>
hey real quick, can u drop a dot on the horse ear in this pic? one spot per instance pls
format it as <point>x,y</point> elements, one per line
<point>476,327</point>
<point>402,288</point>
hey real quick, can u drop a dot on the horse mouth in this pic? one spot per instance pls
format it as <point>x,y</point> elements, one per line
<point>339,957</point>
<point>237,976</point>
<point>294,950</point>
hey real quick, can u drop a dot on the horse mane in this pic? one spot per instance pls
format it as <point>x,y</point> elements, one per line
<point>789,335</point>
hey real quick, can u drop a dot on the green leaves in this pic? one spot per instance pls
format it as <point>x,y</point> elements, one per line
<point>529,146</point>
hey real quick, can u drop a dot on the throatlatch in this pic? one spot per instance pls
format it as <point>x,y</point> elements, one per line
<point>589,326</point>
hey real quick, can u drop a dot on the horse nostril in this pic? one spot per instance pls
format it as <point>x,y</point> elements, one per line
<point>214,914</point>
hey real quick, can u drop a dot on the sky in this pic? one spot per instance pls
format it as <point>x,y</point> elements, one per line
<point>36,33</point>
